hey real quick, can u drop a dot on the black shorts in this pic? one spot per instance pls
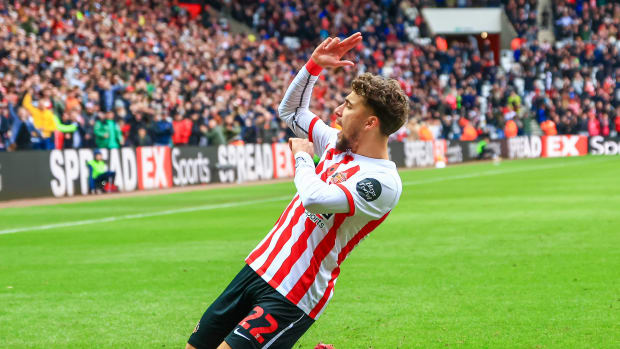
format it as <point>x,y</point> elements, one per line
<point>250,314</point>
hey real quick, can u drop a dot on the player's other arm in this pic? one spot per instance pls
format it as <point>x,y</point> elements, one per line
<point>316,195</point>
<point>294,108</point>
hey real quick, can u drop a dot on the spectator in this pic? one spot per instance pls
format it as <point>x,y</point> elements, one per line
<point>107,132</point>
<point>511,129</point>
<point>267,129</point>
<point>214,134</point>
<point>89,117</point>
<point>198,131</point>
<point>594,125</point>
<point>69,136</point>
<point>108,92</point>
<point>136,123</point>
<point>232,129</point>
<point>182,129</point>
<point>249,132</point>
<point>425,133</point>
<point>469,132</point>
<point>142,138</point>
<point>24,134</point>
<point>43,119</point>
<point>549,128</point>
<point>161,131</point>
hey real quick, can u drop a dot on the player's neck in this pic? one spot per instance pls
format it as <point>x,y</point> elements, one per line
<point>375,148</point>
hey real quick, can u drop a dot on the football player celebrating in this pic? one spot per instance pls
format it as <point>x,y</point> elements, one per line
<point>290,276</point>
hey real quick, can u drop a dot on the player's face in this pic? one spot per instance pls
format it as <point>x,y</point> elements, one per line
<point>351,117</point>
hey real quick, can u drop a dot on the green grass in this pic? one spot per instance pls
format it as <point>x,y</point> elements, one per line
<point>521,255</point>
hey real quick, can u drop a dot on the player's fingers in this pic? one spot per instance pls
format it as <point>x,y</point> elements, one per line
<point>327,42</point>
<point>324,43</point>
<point>351,44</point>
<point>344,64</point>
<point>333,44</point>
<point>351,38</point>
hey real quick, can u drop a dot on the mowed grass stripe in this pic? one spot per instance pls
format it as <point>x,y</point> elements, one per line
<point>281,198</point>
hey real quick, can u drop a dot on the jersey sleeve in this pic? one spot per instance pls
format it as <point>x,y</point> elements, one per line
<point>372,193</point>
<point>316,195</point>
<point>294,109</point>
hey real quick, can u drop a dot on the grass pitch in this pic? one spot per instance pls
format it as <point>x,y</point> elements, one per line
<point>521,255</point>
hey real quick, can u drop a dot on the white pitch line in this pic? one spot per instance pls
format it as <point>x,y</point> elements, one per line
<point>141,215</point>
<point>235,204</point>
<point>499,172</point>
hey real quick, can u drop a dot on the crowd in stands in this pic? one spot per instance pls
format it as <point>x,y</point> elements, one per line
<point>523,16</point>
<point>579,19</point>
<point>133,73</point>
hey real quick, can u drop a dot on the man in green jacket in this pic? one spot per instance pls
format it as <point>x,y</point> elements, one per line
<point>215,133</point>
<point>100,174</point>
<point>107,132</point>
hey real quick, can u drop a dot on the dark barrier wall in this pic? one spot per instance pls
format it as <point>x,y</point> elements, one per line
<point>60,173</point>
<point>24,174</point>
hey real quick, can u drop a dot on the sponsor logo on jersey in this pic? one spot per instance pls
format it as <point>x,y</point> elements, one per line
<point>369,189</point>
<point>317,219</point>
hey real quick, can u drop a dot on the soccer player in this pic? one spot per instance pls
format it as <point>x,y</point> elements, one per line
<point>290,276</point>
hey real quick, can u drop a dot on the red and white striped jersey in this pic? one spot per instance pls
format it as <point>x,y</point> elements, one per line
<point>302,254</point>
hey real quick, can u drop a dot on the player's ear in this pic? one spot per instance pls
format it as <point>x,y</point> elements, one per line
<point>371,122</point>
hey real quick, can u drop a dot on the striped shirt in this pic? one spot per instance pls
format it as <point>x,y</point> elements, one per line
<point>302,254</point>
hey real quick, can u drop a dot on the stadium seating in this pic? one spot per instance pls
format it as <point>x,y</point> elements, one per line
<point>125,68</point>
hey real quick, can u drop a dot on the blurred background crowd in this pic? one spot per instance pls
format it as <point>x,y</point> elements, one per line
<point>108,74</point>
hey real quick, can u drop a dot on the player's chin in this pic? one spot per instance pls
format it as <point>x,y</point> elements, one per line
<point>341,137</point>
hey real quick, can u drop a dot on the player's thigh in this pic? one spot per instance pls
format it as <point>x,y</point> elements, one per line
<point>216,322</point>
<point>223,314</point>
<point>275,325</point>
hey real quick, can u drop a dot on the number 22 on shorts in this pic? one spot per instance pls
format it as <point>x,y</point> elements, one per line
<point>257,332</point>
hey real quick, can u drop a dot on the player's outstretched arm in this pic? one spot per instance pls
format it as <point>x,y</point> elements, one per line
<point>294,108</point>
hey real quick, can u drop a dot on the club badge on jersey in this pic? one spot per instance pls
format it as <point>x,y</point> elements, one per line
<point>339,177</point>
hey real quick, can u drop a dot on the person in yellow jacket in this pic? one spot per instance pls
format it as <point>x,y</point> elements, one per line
<point>43,119</point>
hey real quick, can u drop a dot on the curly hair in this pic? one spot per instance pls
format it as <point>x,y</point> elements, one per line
<point>386,99</point>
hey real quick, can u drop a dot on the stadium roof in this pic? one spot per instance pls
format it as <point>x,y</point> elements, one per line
<point>463,20</point>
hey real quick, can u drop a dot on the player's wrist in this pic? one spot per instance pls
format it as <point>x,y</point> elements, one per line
<point>313,67</point>
<point>302,158</point>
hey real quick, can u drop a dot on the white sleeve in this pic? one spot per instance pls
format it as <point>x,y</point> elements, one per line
<point>316,195</point>
<point>373,193</point>
<point>294,109</point>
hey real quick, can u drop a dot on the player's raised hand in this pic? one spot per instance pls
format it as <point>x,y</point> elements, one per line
<point>329,53</point>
